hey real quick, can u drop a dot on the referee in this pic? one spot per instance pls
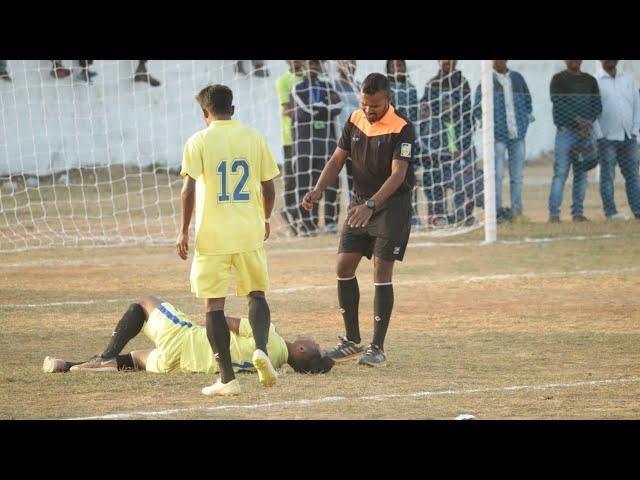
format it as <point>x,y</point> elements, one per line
<point>379,142</point>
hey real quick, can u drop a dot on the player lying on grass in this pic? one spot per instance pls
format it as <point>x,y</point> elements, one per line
<point>183,346</point>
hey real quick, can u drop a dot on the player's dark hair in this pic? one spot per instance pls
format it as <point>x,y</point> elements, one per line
<point>314,362</point>
<point>216,99</point>
<point>389,62</point>
<point>374,83</point>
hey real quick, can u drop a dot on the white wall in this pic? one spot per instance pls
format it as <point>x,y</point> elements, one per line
<point>50,125</point>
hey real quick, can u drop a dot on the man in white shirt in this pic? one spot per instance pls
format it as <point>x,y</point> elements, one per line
<point>617,130</point>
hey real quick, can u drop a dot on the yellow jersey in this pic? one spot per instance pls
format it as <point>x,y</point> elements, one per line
<point>228,162</point>
<point>198,357</point>
<point>183,345</point>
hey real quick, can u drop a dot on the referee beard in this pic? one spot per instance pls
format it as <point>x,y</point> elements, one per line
<point>379,142</point>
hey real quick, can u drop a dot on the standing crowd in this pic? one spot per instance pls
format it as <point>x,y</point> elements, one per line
<point>597,122</point>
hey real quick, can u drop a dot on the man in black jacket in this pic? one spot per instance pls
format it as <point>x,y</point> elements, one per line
<point>315,105</point>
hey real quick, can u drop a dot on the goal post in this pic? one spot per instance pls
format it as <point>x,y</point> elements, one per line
<point>93,160</point>
<point>488,144</point>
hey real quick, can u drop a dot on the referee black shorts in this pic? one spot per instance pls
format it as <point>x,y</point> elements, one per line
<point>386,235</point>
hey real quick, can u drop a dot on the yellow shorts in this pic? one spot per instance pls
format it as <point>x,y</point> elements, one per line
<point>167,327</point>
<point>211,274</point>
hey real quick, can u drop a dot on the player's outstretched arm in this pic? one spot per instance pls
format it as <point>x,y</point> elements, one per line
<point>329,174</point>
<point>187,199</point>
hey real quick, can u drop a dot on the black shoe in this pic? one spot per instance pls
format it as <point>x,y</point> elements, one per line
<point>86,75</point>
<point>238,67</point>
<point>261,72</point>
<point>5,76</point>
<point>503,215</point>
<point>145,77</point>
<point>580,218</point>
<point>345,350</point>
<point>374,357</point>
<point>554,219</point>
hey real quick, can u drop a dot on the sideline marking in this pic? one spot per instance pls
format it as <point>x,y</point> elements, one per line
<point>278,251</point>
<point>284,291</point>
<point>292,403</point>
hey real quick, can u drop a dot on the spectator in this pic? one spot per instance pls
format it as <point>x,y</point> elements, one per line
<point>4,72</point>
<point>404,98</point>
<point>58,70</point>
<point>447,100</point>
<point>259,69</point>
<point>349,90</point>
<point>316,104</point>
<point>576,105</point>
<point>284,85</point>
<point>617,130</point>
<point>85,74</point>
<point>141,74</point>
<point>511,116</point>
<point>442,157</point>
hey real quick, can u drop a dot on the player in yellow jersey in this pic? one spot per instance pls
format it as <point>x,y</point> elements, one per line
<point>183,346</point>
<point>228,174</point>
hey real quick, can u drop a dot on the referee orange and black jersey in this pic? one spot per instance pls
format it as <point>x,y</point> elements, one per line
<point>373,147</point>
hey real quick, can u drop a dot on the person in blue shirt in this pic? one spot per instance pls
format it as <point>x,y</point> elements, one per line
<point>446,144</point>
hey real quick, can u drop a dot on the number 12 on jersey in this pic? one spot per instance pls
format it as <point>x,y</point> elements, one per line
<point>238,194</point>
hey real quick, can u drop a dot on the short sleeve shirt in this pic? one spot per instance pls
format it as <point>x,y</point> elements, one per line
<point>373,147</point>
<point>228,161</point>
<point>284,85</point>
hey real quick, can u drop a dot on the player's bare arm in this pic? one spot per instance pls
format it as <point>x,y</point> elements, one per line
<point>187,200</point>
<point>268,197</point>
<point>359,216</point>
<point>329,173</point>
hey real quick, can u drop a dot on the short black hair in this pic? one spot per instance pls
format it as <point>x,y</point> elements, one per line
<point>374,83</point>
<point>316,364</point>
<point>313,362</point>
<point>391,61</point>
<point>216,99</point>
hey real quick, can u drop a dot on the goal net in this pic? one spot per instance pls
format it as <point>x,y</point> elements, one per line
<point>90,151</point>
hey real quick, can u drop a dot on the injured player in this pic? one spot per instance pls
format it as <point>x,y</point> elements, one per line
<point>183,346</point>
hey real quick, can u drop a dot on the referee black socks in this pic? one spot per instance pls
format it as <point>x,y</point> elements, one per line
<point>349,299</point>
<point>219,339</point>
<point>260,321</point>
<point>128,327</point>
<point>382,307</point>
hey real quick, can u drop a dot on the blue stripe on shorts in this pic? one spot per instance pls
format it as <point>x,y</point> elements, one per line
<point>173,318</point>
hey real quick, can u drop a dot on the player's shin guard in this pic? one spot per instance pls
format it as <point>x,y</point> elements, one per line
<point>382,307</point>
<point>349,300</point>
<point>260,321</point>
<point>219,338</point>
<point>128,327</point>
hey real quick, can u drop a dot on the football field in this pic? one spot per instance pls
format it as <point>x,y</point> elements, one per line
<point>544,324</point>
